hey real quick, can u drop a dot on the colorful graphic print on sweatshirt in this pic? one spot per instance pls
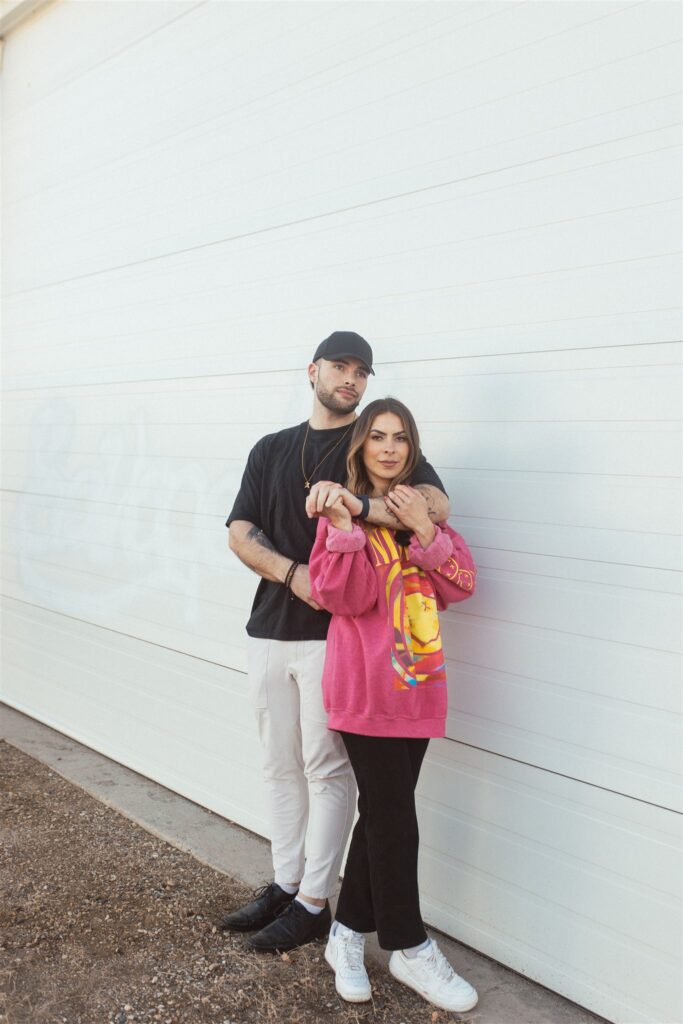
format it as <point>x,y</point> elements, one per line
<point>416,650</point>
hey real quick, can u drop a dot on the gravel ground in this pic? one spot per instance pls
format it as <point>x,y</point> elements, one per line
<point>101,922</point>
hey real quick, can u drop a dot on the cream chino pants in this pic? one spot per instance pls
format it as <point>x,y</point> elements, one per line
<point>310,784</point>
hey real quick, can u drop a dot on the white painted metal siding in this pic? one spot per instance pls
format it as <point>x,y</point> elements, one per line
<point>194,194</point>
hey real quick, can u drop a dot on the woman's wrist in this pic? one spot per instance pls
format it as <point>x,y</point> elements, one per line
<point>425,533</point>
<point>341,522</point>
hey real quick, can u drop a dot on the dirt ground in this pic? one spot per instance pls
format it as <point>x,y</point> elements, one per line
<point>100,922</point>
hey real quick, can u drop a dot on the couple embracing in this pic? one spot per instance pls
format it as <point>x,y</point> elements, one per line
<point>345,522</point>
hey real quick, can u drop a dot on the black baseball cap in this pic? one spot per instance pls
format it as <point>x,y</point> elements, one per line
<point>345,343</point>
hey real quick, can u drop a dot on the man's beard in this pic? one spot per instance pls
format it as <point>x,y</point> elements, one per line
<point>335,403</point>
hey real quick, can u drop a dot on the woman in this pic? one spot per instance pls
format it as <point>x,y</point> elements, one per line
<point>384,688</point>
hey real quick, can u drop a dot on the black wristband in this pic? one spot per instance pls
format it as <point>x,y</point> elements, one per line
<point>365,502</point>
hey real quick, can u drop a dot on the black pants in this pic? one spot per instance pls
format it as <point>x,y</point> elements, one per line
<point>379,891</point>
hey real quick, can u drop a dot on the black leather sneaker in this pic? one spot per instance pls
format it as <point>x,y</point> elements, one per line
<point>294,926</point>
<point>270,900</point>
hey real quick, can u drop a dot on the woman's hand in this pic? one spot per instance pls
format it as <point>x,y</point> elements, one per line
<point>410,508</point>
<point>325,494</point>
<point>339,516</point>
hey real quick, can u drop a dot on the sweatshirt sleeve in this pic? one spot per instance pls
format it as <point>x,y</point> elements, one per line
<point>342,579</point>
<point>449,565</point>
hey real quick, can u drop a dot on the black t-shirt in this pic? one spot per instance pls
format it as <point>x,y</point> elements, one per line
<point>272,497</point>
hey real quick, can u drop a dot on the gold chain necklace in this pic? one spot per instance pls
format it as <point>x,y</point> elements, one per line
<point>308,478</point>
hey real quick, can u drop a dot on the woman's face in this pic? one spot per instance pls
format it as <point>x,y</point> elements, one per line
<point>386,450</point>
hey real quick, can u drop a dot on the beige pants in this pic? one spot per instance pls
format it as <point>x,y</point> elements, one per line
<point>309,781</point>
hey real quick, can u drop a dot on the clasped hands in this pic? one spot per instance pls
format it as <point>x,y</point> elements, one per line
<point>405,504</point>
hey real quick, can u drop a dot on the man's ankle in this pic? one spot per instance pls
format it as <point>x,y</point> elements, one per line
<point>291,888</point>
<point>315,901</point>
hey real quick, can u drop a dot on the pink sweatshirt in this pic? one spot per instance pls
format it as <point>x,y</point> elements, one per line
<point>384,667</point>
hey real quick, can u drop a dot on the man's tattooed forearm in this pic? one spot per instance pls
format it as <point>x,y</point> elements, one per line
<point>429,498</point>
<point>260,538</point>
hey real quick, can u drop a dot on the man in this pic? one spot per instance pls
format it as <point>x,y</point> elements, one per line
<point>309,781</point>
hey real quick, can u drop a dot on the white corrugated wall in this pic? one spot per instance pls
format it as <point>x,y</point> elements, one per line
<point>194,194</point>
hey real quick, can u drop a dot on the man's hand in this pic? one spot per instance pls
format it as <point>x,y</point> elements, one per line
<point>301,586</point>
<point>410,508</point>
<point>325,494</point>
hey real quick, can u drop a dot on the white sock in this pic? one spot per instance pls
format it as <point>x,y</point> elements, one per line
<point>291,889</point>
<point>414,950</point>
<point>310,907</point>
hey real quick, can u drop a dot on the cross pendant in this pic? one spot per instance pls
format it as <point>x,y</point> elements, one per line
<point>307,486</point>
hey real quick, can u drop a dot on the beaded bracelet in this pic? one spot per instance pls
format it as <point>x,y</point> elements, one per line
<point>290,575</point>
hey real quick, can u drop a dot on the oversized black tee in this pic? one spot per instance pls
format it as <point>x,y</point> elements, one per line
<point>272,496</point>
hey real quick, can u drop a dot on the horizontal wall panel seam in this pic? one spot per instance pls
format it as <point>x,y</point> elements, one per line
<point>658,896</point>
<point>119,632</point>
<point>564,775</point>
<point>373,297</point>
<point>348,209</point>
<point>233,380</point>
<point>180,706</point>
<point>493,753</point>
<point>62,617</point>
<point>137,618</point>
<point>238,187</point>
<point>226,686</point>
<point>112,56</point>
<point>219,525</point>
<point>567,583</point>
<point>178,741</point>
<point>455,421</point>
<point>617,936</point>
<point>562,690</point>
<point>643,769</point>
<point>253,100</point>
<point>385,256</point>
<point>578,560</point>
<point>9,392</point>
<point>503,471</point>
<point>534,682</point>
<point>546,848</point>
<point>498,99</point>
<point>478,355</point>
<point>221,514</point>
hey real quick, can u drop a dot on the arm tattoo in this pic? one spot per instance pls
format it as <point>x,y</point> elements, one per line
<point>427,495</point>
<point>260,538</point>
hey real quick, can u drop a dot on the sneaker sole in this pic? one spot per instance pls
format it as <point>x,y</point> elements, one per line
<point>355,998</point>
<point>462,1008</point>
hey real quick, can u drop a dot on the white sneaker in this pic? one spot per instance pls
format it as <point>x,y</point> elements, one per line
<point>430,974</point>
<point>344,954</point>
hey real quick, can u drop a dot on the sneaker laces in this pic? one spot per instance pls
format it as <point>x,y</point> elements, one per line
<point>441,967</point>
<point>351,948</point>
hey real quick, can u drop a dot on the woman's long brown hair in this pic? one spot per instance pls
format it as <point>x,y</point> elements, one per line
<point>357,480</point>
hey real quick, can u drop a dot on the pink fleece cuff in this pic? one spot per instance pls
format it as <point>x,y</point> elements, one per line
<point>340,540</point>
<point>433,556</point>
